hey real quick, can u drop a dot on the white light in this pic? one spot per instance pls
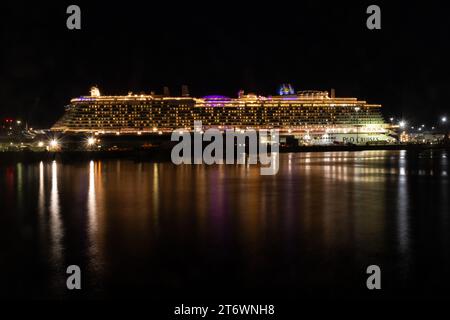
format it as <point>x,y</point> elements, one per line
<point>53,143</point>
<point>392,119</point>
<point>402,124</point>
<point>19,122</point>
<point>95,92</point>
<point>444,119</point>
<point>40,144</point>
<point>91,141</point>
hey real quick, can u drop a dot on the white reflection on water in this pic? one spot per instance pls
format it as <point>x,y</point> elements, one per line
<point>403,207</point>
<point>41,198</point>
<point>56,231</point>
<point>342,166</point>
<point>41,201</point>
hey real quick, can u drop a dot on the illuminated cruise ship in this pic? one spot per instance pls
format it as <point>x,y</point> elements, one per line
<point>312,117</point>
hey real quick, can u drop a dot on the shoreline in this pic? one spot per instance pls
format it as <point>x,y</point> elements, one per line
<point>161,154</point>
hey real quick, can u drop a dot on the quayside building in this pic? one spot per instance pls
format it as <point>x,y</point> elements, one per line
<point>312,117</point>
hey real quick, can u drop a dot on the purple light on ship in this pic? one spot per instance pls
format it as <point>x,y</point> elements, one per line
<point>216,100</point>
<point>217,97</point>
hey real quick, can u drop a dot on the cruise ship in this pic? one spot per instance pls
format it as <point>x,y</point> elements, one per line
<point>311,117</point>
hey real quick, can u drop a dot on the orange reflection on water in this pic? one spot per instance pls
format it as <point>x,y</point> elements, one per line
<point>95,227</point>
<point>141,217</point>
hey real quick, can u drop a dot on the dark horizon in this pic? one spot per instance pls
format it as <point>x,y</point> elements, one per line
<point>220,50</point>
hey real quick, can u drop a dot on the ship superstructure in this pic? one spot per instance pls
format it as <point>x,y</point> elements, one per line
<point>311,116</point>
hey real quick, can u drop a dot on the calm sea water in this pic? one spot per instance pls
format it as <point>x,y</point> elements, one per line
<point>156,230</point>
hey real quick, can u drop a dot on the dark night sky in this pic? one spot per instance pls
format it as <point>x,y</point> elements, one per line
<point>222,47</point>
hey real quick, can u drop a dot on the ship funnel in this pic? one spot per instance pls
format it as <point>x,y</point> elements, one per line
<point>184,91</point>
<point>166,91</point>
<point>333,93</point>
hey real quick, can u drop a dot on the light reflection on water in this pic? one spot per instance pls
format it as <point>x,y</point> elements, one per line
<point>94,233</point>
<point>138,225</point>
<point>56,228</point>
